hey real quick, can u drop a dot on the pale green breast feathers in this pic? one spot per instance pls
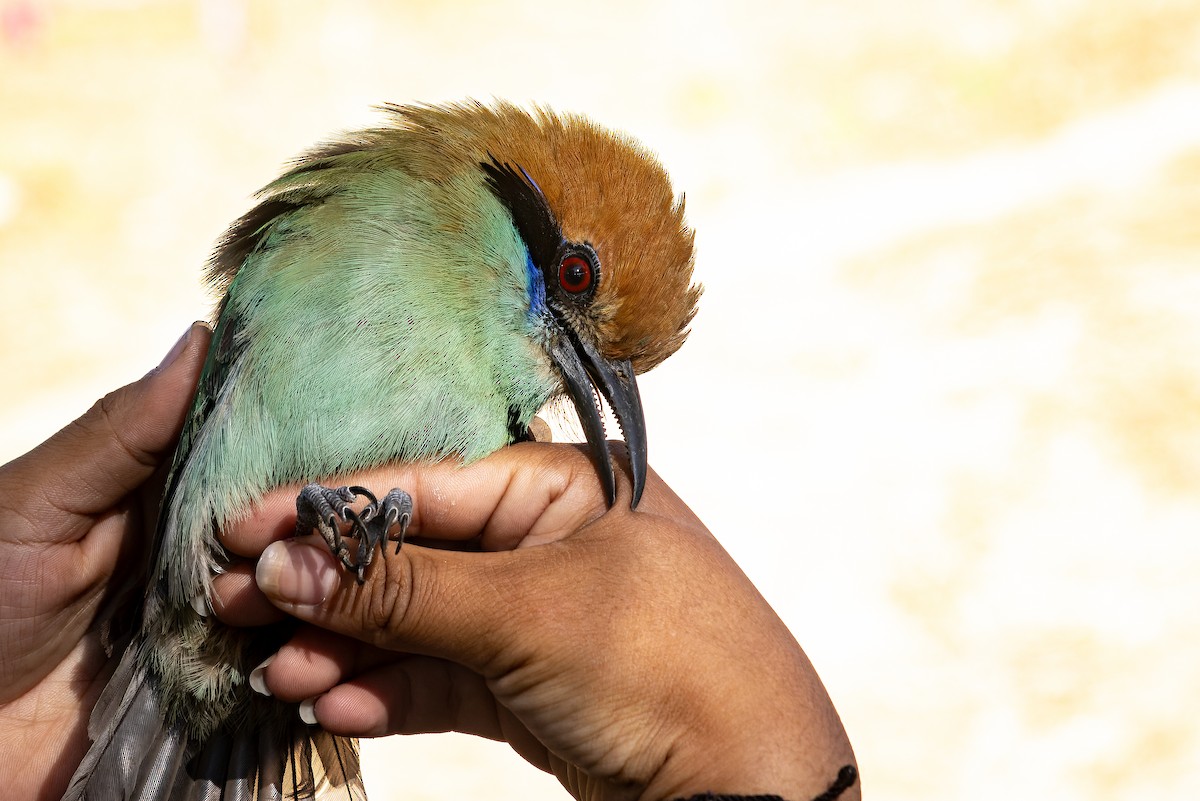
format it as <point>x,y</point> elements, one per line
<point>378,318</point>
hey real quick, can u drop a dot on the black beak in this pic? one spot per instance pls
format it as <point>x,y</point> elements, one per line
<point>583,368</point>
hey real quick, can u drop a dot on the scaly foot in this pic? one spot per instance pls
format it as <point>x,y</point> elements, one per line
<point>325,510</point>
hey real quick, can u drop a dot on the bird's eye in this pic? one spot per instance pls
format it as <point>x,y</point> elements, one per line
<point>575,274</point>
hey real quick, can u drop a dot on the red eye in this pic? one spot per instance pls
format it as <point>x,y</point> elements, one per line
<point>575,274</point>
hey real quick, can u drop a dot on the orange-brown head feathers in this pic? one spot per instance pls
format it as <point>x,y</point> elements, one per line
<point>604,190</point>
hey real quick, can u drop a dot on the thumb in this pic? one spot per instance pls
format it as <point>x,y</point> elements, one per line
<point>454,605</point>
<point>91,464</point>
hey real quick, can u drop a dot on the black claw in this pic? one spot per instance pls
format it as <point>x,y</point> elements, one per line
<point>405,519</point>
<point>372,502</point>
<point>396,508</point>
<point>321,508</point>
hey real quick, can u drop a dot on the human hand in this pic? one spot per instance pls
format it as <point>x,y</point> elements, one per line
<point>76,512</point>
<point>622,651</point>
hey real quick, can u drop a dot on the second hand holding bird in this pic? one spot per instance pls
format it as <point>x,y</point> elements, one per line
<point>622,651</point>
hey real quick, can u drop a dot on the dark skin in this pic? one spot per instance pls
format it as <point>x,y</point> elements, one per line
<point>609,647</point>
<point>76,511</point>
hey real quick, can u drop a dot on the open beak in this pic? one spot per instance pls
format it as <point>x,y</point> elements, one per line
<point>583,368</point>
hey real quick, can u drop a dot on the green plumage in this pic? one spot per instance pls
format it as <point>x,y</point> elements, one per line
<point>377,318</point>
<point>384,319</point>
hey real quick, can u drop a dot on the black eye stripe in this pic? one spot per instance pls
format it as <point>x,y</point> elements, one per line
<point>531,214</point>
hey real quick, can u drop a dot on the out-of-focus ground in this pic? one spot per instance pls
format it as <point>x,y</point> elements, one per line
<point>942,401</point>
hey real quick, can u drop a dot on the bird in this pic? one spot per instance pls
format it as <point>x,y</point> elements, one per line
<point>409,292</point>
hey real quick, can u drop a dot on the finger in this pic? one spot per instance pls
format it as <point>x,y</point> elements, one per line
<point>522,495</point>
<point>471,608</point>
<point>413,695</point>
<point>86,468</point>
<point>237,600</point>
<point>482,610</point>
<point>423,695</point>
<point>314,661</point>
<point>368,692</point>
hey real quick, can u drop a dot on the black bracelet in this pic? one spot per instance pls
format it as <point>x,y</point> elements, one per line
<point>846,778</point>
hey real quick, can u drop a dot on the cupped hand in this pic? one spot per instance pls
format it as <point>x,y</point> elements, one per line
<point>76,511</point>
<point>623,651</point>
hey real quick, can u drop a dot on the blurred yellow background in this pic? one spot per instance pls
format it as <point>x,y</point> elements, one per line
<point>942,401</point>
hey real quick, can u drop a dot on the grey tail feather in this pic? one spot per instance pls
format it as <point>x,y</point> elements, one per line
<point>137,756</point>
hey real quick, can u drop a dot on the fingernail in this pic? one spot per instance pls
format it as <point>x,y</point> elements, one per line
<point>175,350</point>
<point>200,604</point>
<point>308,711</point>
<point>296,574</point>
<point>540,430</point>
<point>258,682</point>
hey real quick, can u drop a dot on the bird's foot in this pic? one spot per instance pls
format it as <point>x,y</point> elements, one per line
<point>332,513</point>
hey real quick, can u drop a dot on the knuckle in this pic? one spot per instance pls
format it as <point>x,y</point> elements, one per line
<point>110,417</point>
<point>390,599</point>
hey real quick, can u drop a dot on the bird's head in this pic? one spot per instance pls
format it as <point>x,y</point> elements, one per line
<point>605,258</point>
<point>610,256</point>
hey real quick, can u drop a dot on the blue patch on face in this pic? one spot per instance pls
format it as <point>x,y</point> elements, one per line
<point>537,289</point>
